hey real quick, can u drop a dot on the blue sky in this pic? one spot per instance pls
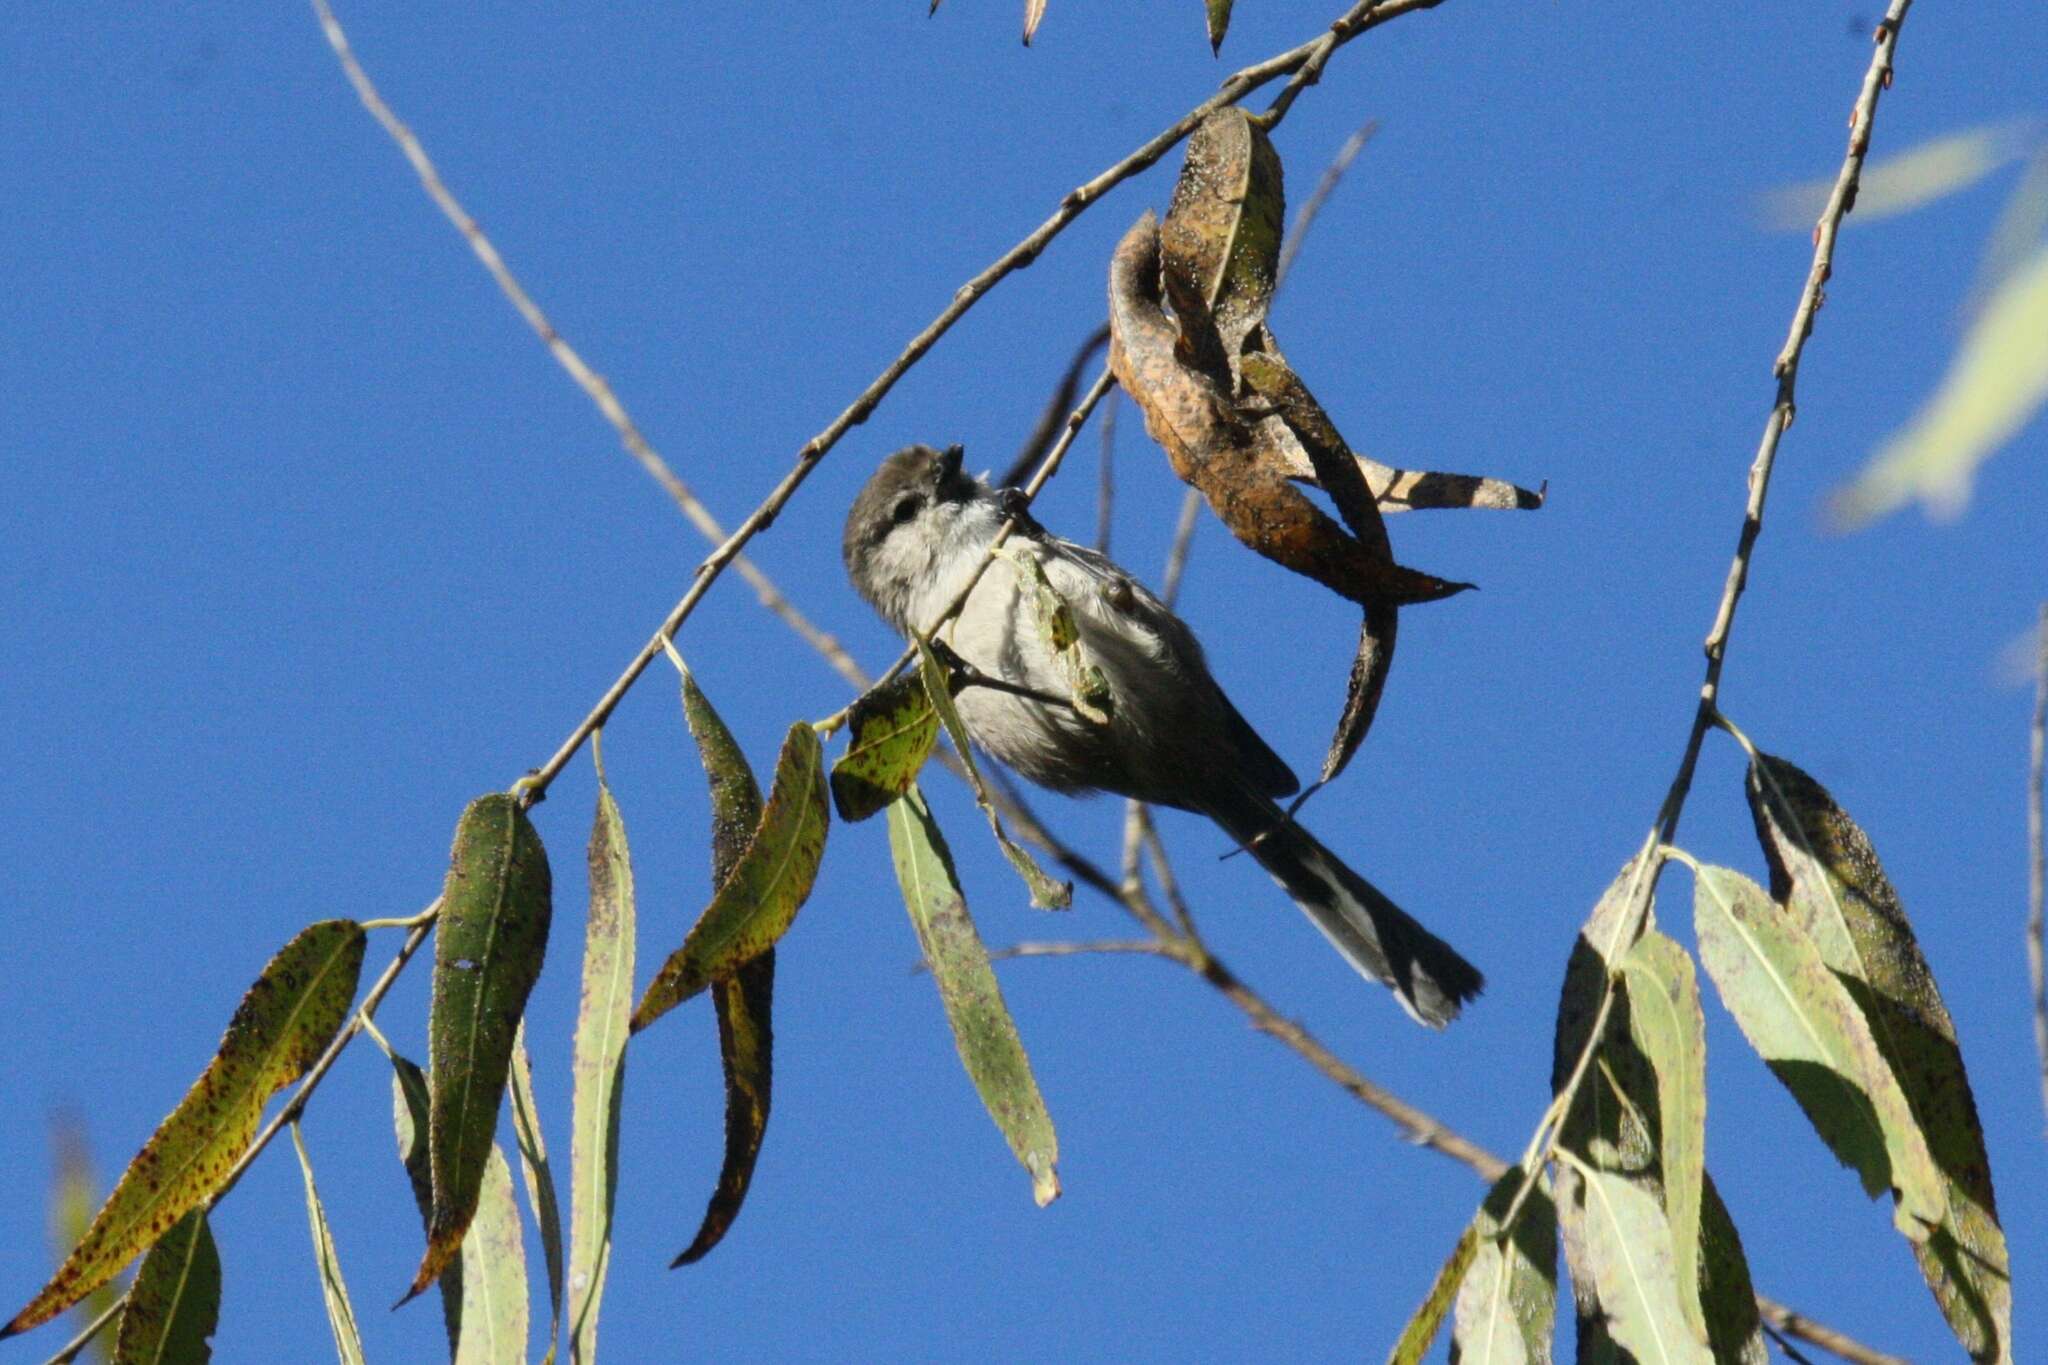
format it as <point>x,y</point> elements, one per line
<point>305,541</point>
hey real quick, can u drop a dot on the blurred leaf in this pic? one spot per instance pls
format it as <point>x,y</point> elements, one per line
<point>746,1043</point>
<point>1627,1244</point>
<point>2019,229</point>
<point>1087,688</point>
<point>1046,893</point>
<point>1913,178</point>
<point>1420,1333</point>
<point>1034,10</point>
<point>409,1109</point>
<point>494,1296</point>
<point>540,1182</point>
<point>1727,1297</point>
<point>892,728</point>
<point>1508,1304</point>
<point>1995,383</point>
<point>496,905</point>
<point>174,1304</point>
<point>982,1028</point>
<point>769,882</point>
<point>599,1067</point>
<point>341,1316</point>
<point>74,1193</point>
<point>278,1031</point>
<point>1669,1030</point>
<point>1802,1023</point>
<point>1825,872</point>
<point>1219,22</point>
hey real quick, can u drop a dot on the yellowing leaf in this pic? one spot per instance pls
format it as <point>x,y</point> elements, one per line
<point>1994,385</point>
<point>1915,177</point>
<point>769,883</point>
<point>496,905</point>
<point>982,1028</point>
<point>278,1031</point>
<point>893,728</point>
<point>1417,1337</point>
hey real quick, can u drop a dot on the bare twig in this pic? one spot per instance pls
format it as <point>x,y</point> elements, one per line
<point>587,379</point>
<point>1056,407</point>
<point>1313,205</point>
<point>1793,1323</point>
<point>1543,1143</point>
<point>1148,946</point>
<point>2037,848</point>
<point>1177,553</point>
<point>73,1348</point>
<point>1105,479</point>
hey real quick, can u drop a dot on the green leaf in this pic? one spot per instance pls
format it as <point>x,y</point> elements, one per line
<point>893,728</point>
<point>982,1028</point>
<point>1918,176</point>
<point>409,1111</point>
<point>1046,893</point>
<point>1669,1030</point>
<point>494,1297</point>
<point>735,796</point>
<point>1508,1303</point>
<point>1727,1297</point>
<point>341,1316</point>
<point>1627,1249</point>
<point>279,1030</point>
<point>174,1304</point>
<point>1087,687</point>
<point>768,884</point>
<point>1219,22</point>
<point>539,1179</point>
<point>746,1042</point>
<point>493,932</point>
<point>599,1066</point>
<point>1993,387</point>
<point>1828,877</point>
<point>1800,1020</point>
<point>1417,1337</point>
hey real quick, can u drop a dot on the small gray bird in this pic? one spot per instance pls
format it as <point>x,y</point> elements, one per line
<point>917,532</point>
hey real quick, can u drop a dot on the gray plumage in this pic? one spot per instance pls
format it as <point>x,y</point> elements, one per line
<point>915,535</point>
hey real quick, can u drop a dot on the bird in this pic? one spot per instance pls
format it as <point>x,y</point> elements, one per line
<point>914,537</point>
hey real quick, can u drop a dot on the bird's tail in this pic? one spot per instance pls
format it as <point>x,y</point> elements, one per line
<point>1376,936</point>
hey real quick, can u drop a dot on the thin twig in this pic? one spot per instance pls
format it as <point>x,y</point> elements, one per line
<point>1313,205</point>
<point>1149,946</point>
<point>2037,848</point>
<point>592,383</point>
<point>1105,477</point>
<point>1056,407</point>
<point>1177,553</point>
<point>1543,1143</point>
<point>74,1347</point>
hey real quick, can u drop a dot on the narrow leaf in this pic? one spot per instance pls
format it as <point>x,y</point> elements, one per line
<point>341,1316</point>
<point>1627,1244</point>
<point>1727,1297</point>
<point>1420,1333</point>
<point>278,1031</point>
<point>1824,870</point>
<point>1508,1303</point>
<point>1219,22</point>
<point>75,1192</point>
<point>1801,1021</point>
<point>539,1179</point>
<point>746,1041</point>
<point>174,1304</point>
<point>495,908</point>
<point>982,1028</point>
<point>409,1111</point>
<point>599,1066</point>
<point>1087,688</point>
<point>735,795</point>
<point>1034,11</point>
<point>1046,893</point>
<point>1994,385</point>
<point>1669,1030</point>
<point>892,729</point>
<point>494,1297</point>
<point>768,884</point>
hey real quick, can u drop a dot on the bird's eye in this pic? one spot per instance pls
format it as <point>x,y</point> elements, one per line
<point>905,508</point>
